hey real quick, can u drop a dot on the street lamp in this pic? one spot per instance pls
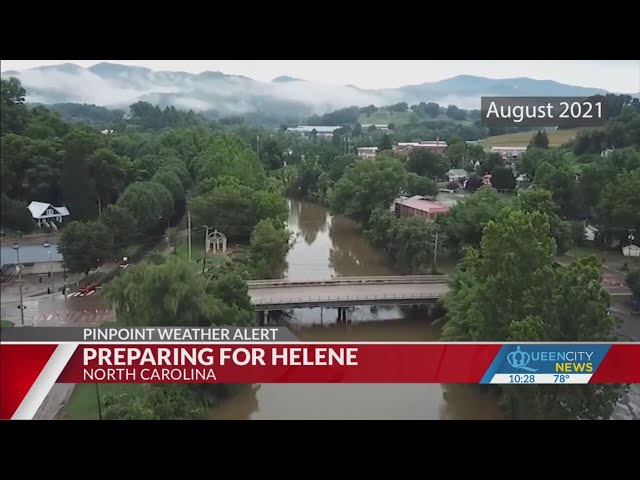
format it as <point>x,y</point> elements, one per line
<point>16,247</point>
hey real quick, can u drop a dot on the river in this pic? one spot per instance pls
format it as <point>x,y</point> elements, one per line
<point>328,246</point>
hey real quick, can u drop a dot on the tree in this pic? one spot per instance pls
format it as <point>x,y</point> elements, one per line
<point>474,182</point>
<point>15,215</point>
<point>490,164</point>
<point>84,245</point>
<point>268,249</point>
<point>417,185</point>
<point>563,185</point>
<point>619,206</point>
<point>510,290</point>
<point>427,164</point>
<point>414,243</point>
<point>122,225</point>
<point>367,185</point>
<point>457,154</point>
<point>432,109</point>
<point>398,107</point>
<point>139,199</point>
<point>503,179</point>
<point>13,113</point>
<point>171,293</point>
<point>78,187</point>
<point>456,113</point>
<point>236,209</point>
<point>164,199</point>
<point>385,143</point>
<point>271,153</point>
<point>465,222</point>
<point>109,174</point>
<point>308,174</point>
<point>539,140</point>
<point>170,180</point>
<point>538,199</point>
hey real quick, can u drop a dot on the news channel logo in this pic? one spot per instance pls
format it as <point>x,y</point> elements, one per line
<point>551,358</point>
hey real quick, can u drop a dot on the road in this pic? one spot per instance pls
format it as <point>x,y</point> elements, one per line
<point>56,310</point>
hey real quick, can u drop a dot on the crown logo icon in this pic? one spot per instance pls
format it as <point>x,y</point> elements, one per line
<point>520,360</point>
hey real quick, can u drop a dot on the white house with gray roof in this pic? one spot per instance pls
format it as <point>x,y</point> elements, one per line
<point>46,214</point>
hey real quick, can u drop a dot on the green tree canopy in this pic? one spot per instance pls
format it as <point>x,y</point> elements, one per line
<point>268,249</point>
<point>367,185</point>
<point>84,245</point>
<point>465,222</point>
<point>510,289</point>
<point>538,199</point>
<point>427,164</point>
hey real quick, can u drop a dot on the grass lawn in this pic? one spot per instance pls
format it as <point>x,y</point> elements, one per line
<point>521,139</point>
<point>83,403</point>
<point>6,323</point>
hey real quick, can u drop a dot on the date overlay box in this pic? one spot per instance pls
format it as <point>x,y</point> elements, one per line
<point>561,112</point>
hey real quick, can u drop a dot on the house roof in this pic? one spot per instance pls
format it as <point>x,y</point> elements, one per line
<point>426,205</point>
<point>457,171</point>
<point>38,209</point>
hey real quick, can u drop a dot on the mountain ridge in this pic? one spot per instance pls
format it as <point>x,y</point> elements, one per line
<point>115,85</point>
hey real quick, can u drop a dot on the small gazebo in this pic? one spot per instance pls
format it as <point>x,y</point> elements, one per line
<point>216,241</point>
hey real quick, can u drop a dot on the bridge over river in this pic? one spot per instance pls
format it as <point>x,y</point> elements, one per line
<point>282,294</point>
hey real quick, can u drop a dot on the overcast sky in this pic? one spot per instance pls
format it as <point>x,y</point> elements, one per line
<point>612,75</point>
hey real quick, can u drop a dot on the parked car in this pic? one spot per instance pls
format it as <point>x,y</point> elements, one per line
<point>89,288</point>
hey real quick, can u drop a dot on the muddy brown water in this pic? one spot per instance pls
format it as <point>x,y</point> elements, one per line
<point>329,246</point>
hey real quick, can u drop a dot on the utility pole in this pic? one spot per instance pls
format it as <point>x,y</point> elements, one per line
<point>189,231</point>
<point>435,253</point>
<point>19,267</point>
<point>206,244</point>
<point>258,146</point>
<point>50,275</point>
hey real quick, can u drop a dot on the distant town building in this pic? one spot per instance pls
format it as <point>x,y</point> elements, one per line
<point>457,175</point>
<point>508,153</point>
<point>418,206</point>
<point>321,130</point>
<point>631,251</point>
<point>367,151</point>
<point>106,131</point>
<point>383,128</point>
<point>590,232</point>
<point>46,214</point>
<point>404,149</point>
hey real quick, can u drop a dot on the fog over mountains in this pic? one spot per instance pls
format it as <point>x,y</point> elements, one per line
<point>118,86</point>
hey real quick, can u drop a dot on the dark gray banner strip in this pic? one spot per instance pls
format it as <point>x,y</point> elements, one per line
<point>147,334</point>
<point>561,112</point>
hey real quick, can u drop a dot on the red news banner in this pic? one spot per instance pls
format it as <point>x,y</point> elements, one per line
<point>32,360</point>
<point>281,363</point>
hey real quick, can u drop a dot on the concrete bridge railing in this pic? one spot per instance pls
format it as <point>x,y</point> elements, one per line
<point>330,299</point>
<point>398,279</point>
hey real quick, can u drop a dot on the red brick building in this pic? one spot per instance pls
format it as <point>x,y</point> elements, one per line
<point>420,207</point>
